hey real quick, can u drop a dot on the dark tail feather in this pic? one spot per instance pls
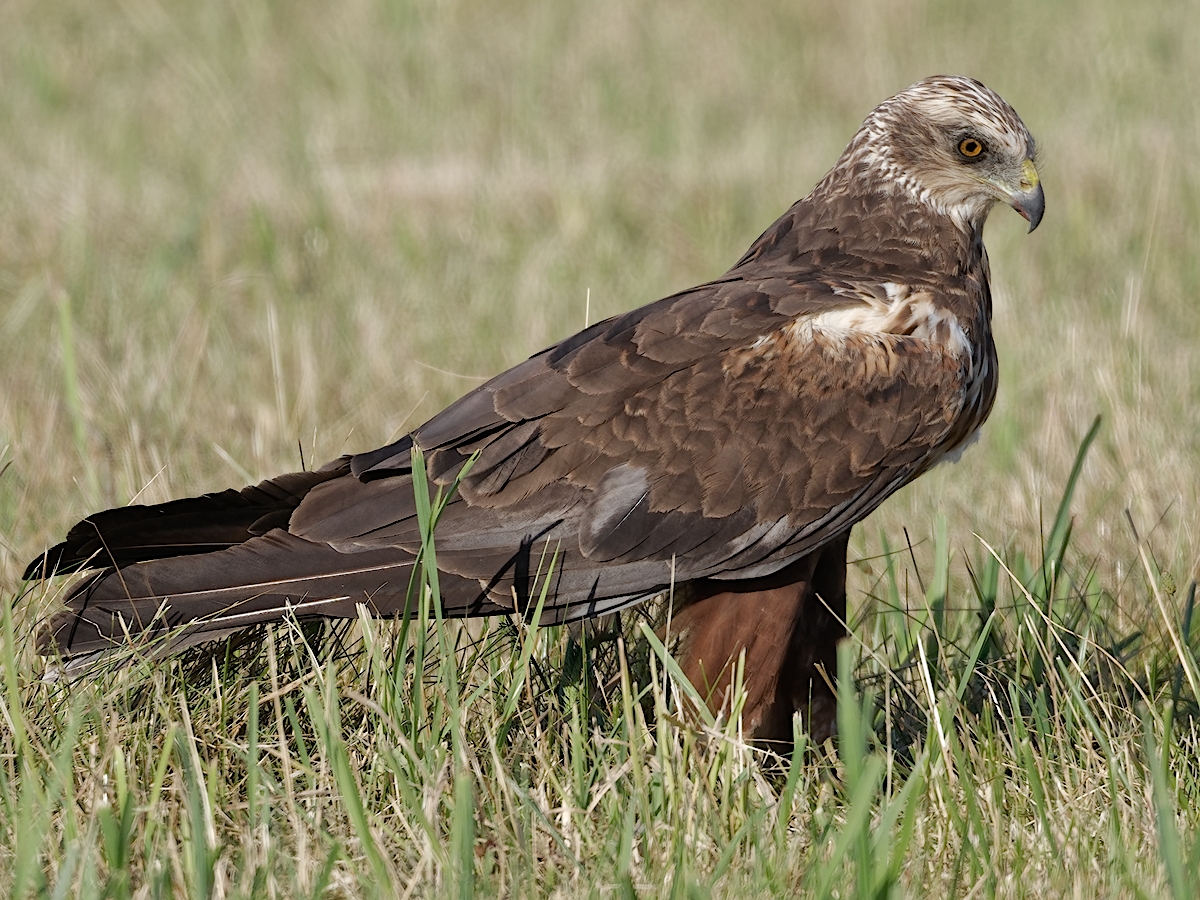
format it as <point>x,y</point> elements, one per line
<point>193,598</point>
<point>130,534</point>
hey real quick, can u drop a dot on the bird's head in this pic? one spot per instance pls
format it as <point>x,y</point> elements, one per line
<point>955,145</point>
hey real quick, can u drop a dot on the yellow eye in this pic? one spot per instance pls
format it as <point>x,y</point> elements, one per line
<point>970,147</point>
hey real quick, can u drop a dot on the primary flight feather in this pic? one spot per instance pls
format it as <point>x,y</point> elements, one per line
<point>722,440</point>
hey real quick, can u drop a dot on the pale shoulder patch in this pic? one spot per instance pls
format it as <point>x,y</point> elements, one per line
<point>893,312</point>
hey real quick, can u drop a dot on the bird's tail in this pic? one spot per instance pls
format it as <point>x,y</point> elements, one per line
<point>197,569</point>
<point>192,598</point>
<point>133,534</point>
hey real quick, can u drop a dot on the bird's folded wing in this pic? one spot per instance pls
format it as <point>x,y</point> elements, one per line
<point>706,435</point>
<point>128,534</point>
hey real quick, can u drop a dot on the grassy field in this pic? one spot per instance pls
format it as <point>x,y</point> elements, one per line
<point>236,234</point>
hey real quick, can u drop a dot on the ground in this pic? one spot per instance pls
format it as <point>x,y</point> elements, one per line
<point>233,235</point>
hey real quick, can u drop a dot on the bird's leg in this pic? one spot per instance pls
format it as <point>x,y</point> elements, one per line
<point>788,625</point>
<point>808,672</point>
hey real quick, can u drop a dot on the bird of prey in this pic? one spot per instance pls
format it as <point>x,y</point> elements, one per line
<point>719,443</point>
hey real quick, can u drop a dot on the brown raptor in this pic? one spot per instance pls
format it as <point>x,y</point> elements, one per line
<point>722,440</point>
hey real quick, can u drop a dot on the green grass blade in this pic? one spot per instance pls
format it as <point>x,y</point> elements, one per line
<point>1056,543</point>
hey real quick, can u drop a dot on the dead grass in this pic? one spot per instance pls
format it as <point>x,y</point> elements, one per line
<point>275,225</point>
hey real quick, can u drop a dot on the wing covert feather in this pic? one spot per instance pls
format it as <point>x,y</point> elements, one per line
<point>691,432</point>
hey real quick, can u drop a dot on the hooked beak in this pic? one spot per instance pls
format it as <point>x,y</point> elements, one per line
<point>1029,200</point>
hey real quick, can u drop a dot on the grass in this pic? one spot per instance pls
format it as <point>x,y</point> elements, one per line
<point>232,235</point>
<point>1005,742</point>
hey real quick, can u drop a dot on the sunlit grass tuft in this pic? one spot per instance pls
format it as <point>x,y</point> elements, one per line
<point>1005,742</point>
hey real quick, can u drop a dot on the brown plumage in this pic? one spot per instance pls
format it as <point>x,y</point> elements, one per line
<point>723,440</point>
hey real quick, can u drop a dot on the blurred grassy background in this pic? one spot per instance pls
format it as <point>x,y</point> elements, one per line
<point>229,230</point>
<point>275,223</point>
